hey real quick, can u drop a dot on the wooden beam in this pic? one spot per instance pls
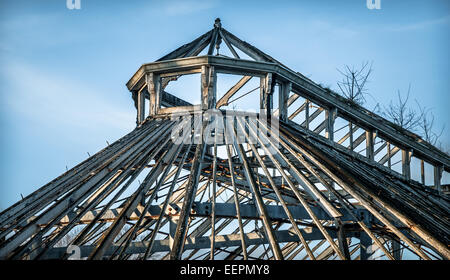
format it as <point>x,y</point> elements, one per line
<point>291,100</point>
<point>422,172</point>
<point>154,89</point>
<point>437,177</point>
<point>283,94</point>
<point>266,90</point>
<point>390,153</point>
<point>310,90</point>
<point>194,51</point>
<point>311,117</point>
<point>170,100</point>
<point>406,163</point>
<point>182,227</point>
<point>369,145</point>
<point>351,129</point>
<point>203,242</point>
<point>365,244</point>
<point>330,117</point>
<point>244,47</point>
<point>230,47</point>
<point>396,250</point>
<point>299,110</point>
<point>224,100</point>
<point>212,43</point>
<point>209,79</point>
<point>185,48</point>
<point>306,123</point>
<point>140,107</point>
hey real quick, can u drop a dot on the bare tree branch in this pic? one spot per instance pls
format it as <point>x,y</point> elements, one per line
<point>402,114</point>
<point>354,80</point>
<point>426,126</point>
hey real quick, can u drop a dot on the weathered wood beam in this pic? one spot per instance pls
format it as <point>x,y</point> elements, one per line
<point>370,144</point>
<point>274,245</point>
<point>208,84</point>
<point>311,117</point>
<point>298,111</point>
<point>387,158</point>
<point>154,90</point>
<point>224,100</point>
<point>330,117</point>
<point>438,170</point>
<point>140,107</point>
<point>177,249</point>
<point>170,100</point>
<point>283,94</point>
<point>294,96</point>
<point>380,148</point>
<point>349,135</point>
<point>422,172</point>
<point>342,241</point>
<point>230,47</point>
<point>365,246</point>
<point>321,127</point>
<point>423,229</point>
<point>245,47</point>
<point>307,116</point>
<point>163,163</point>
<point>212,43</point>
<point>352,112</point>
<point>406,163</point>
<point>396,250</point>
<point>185,48</point>
<point>199,46</point>
<point>266,94</point>
<point>193,243</point>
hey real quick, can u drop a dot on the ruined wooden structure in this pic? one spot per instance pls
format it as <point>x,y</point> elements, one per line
<point>196,181</point>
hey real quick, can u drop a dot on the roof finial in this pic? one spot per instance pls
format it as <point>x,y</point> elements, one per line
<point>217,23</point>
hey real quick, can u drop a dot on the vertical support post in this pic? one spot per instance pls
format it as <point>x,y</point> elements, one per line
<point>173,222</point>
<point>209,79</point>
<point>388,145</point>
<point>406,163</point>
<point>154,89</point>
<point>262,93</point>
<point>283,96</point>
<point>140,106</point>
<point>307,114</point>
<point>369,144</point>
<point>350,131</point>
<point>365,244</point>
<point>330,115</point>
<point>396,252</point>
<point>342,241</point>
<point>422,171</point>
<point>437,177</point>
<point>266,90</point>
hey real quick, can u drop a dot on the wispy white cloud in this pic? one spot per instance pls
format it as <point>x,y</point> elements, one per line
<point>327,27</point>
<point>179,7</point>
<point>420,25</point>
<point>50,98</point>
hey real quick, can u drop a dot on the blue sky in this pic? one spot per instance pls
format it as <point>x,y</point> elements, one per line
<point>63,72</point>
